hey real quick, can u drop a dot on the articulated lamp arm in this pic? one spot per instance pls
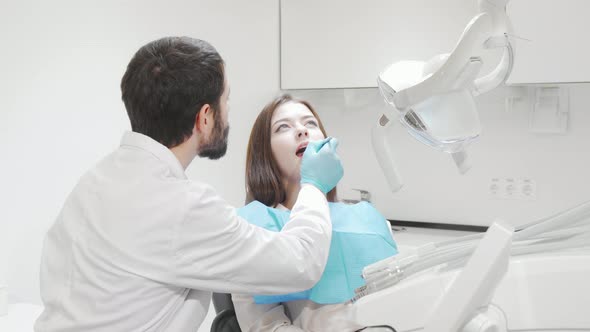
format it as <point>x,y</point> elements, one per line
<point>383,152</point>
<point>435,98</point>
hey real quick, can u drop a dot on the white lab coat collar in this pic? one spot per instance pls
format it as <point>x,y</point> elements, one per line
<point>155,148</point>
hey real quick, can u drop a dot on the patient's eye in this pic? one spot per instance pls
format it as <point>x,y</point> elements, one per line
<point>311,123</point>
<point>282,126</point>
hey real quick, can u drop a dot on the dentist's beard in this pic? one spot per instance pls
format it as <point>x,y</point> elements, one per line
<point>216,147</point>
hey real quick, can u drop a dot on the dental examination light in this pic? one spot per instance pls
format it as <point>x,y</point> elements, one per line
<point>435,99</point>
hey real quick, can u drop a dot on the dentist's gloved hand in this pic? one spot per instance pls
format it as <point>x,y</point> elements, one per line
<point>320,164</point>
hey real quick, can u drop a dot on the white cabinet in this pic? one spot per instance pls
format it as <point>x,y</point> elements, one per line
<point>346,43</point>
<point>551,41</point>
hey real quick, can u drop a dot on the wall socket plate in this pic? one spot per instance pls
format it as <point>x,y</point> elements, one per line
<point>512,188</point>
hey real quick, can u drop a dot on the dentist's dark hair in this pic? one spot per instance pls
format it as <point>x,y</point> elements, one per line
<point>167,82</point>
<point>263,177</point>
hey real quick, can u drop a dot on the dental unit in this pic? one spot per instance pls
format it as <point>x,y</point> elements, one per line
<point>534,278</point>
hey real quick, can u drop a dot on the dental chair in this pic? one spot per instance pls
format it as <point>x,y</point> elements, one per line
<point>225,318</point>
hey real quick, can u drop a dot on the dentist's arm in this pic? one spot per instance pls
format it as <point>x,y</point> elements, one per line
<point>214,249</point>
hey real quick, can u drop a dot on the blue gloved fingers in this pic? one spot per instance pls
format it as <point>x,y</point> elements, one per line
<point>320,164</point>
<point>331,143</point>
<point>315,146</point>
<point>334,142</point>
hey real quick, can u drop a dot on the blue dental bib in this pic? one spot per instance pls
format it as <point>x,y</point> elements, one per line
<point>360,236</point>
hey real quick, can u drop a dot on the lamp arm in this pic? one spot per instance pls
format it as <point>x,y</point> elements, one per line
<point>474,36</point>
<point>383,153</point>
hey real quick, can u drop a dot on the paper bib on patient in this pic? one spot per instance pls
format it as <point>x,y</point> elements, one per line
<point>360,236</point>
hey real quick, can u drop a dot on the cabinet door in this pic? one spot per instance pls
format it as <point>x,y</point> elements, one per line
<point>347,43</point>
<point>553,46</point>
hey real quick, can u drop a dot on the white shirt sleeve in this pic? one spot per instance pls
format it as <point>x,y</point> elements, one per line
<point>216,250</point>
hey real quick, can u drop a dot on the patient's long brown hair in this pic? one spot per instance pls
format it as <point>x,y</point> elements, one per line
<point>263,177</point>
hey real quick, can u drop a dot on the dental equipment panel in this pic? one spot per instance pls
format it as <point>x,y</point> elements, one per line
<point>533,280</point>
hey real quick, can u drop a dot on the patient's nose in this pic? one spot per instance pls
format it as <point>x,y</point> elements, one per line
<point>302,131</point>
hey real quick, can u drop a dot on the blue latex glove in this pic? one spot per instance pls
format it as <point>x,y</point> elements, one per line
<point>320,164</point>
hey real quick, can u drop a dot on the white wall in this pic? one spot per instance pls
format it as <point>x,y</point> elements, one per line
<point>60,108</point>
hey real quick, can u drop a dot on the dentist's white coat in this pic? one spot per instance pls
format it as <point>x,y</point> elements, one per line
<point>139,247</point>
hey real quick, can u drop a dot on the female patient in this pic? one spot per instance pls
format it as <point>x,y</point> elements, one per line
<point>278,139</point>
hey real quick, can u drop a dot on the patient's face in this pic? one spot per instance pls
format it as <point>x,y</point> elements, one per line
<point>292,127</point>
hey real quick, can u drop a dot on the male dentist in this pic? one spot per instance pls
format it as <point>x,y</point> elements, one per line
<point>138,246</point>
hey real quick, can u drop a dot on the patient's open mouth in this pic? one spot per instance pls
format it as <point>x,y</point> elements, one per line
<point>300,151</point>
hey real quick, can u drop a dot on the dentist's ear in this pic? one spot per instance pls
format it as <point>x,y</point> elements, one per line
<point>204,119</point>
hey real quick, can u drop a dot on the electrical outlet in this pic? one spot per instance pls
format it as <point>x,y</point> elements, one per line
<point>512,188</point>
